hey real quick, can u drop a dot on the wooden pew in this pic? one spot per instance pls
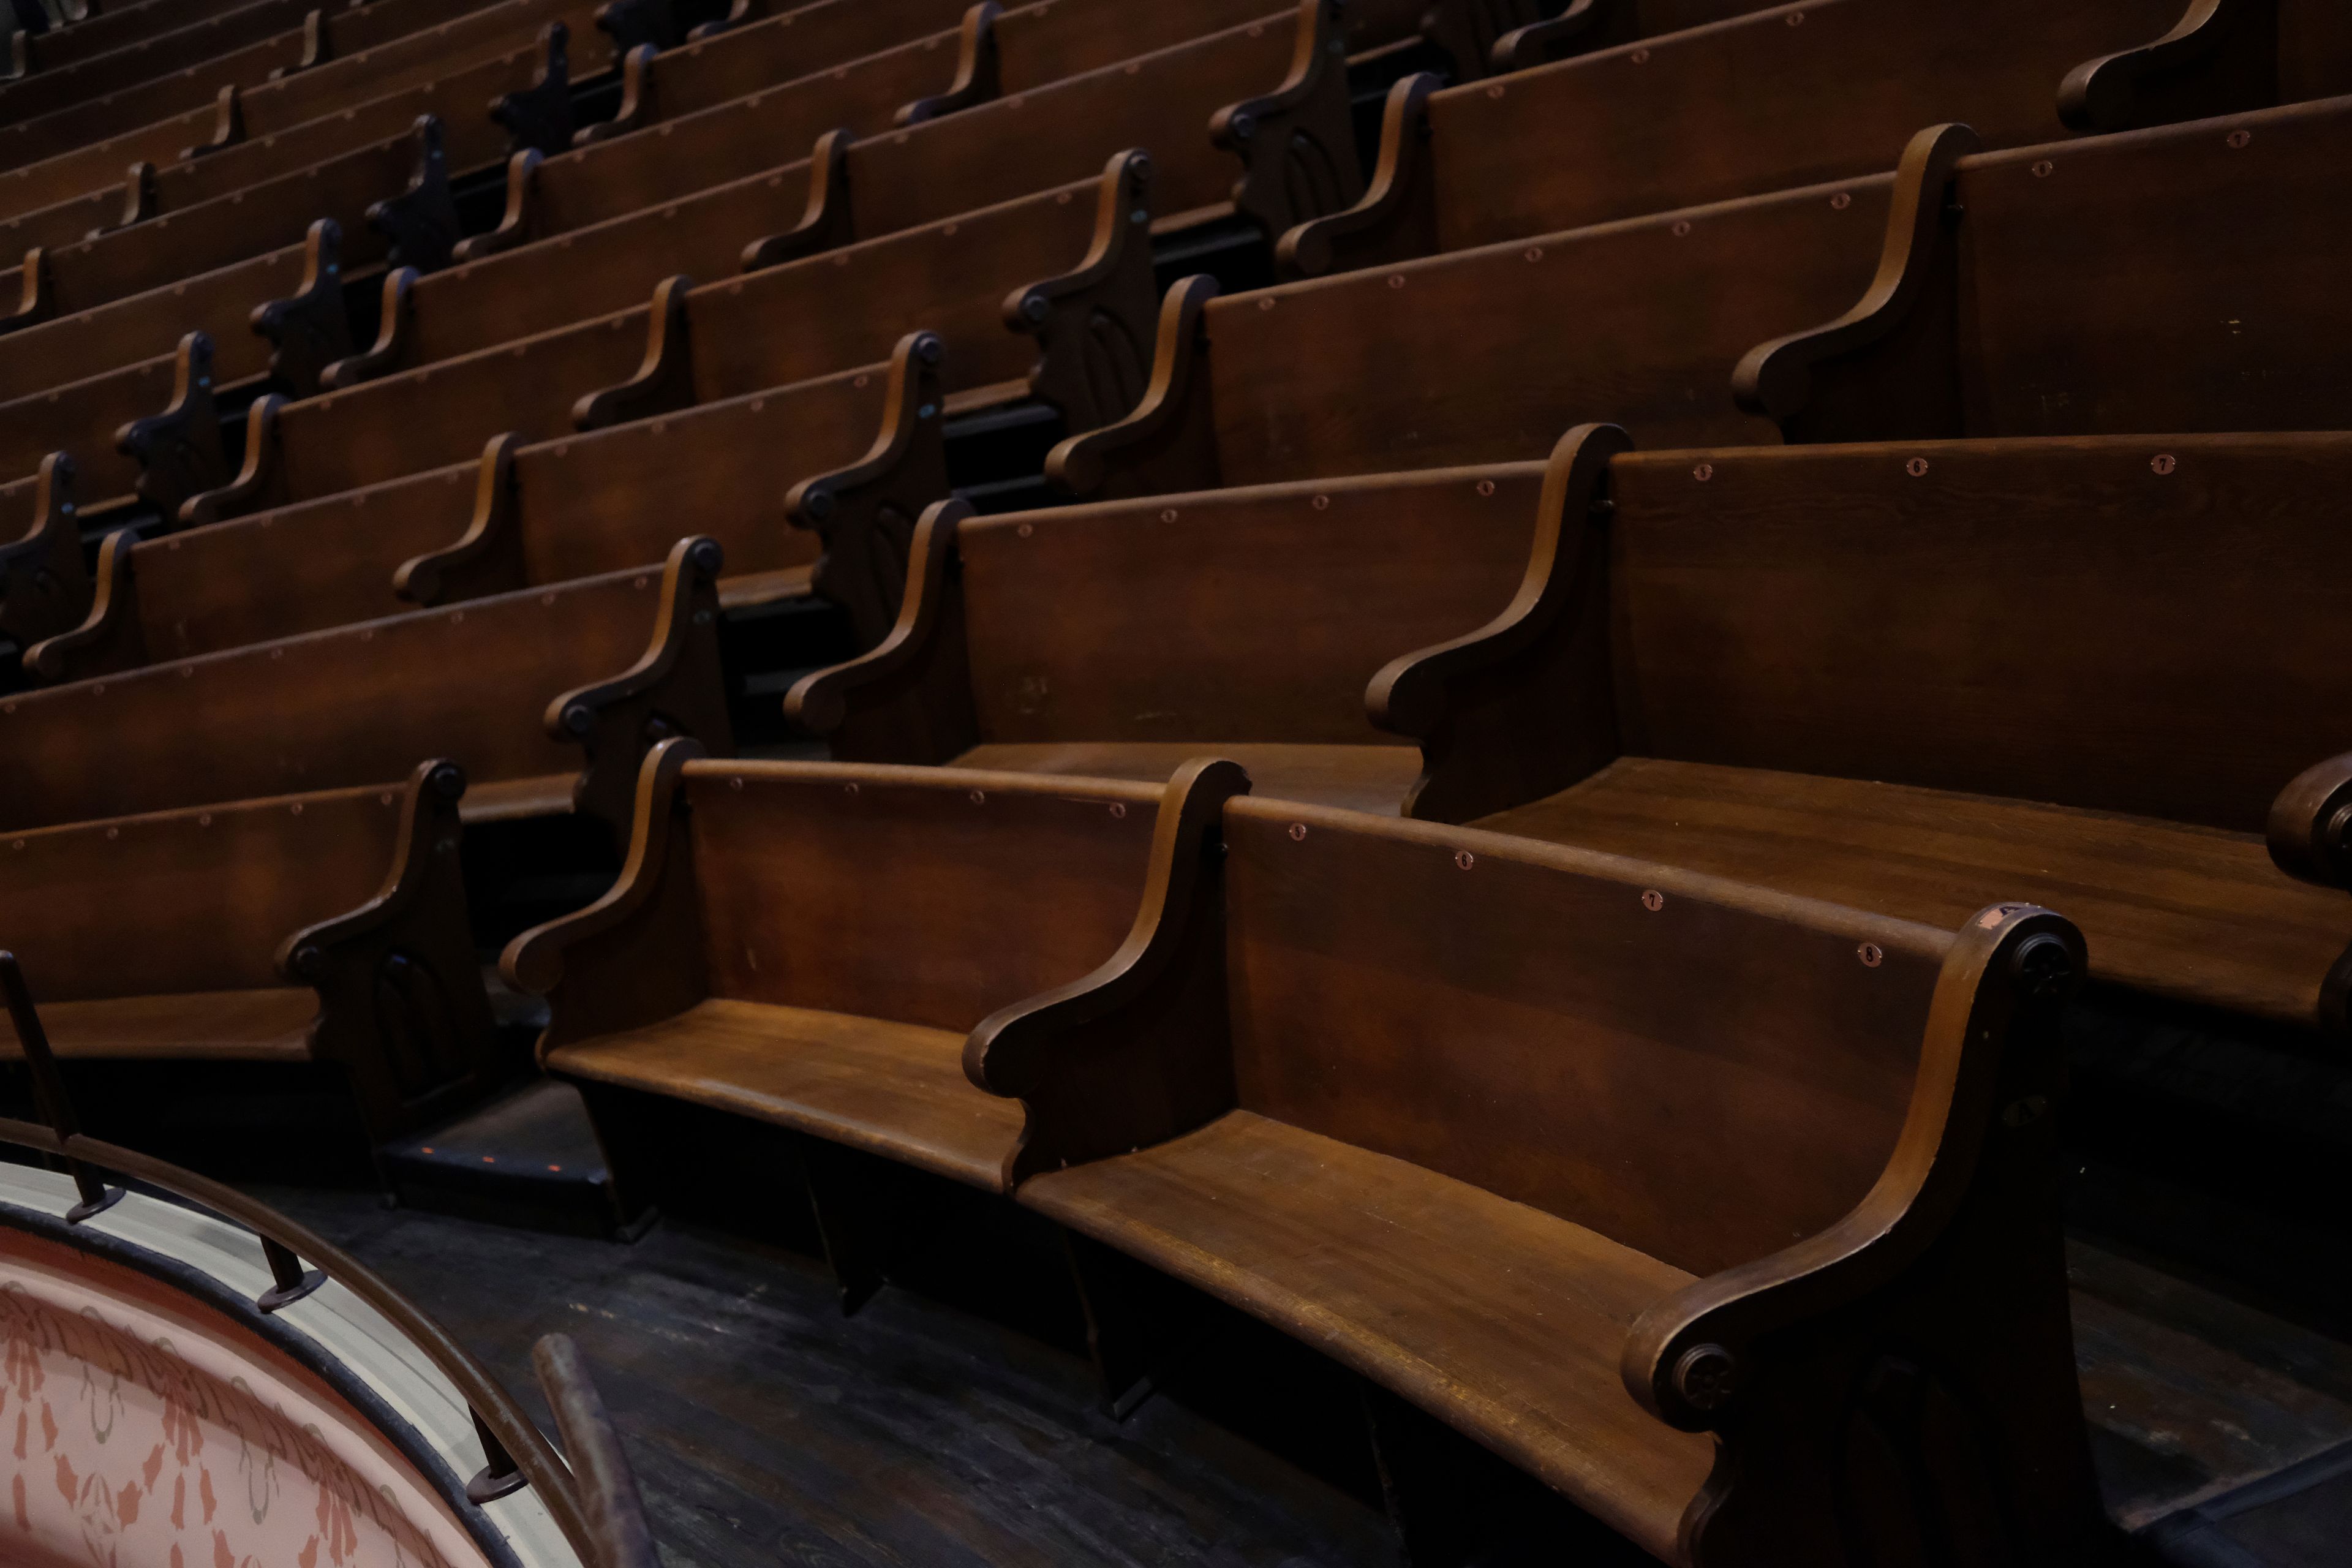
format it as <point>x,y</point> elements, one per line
<point>529,92</point>
<point>2222,321</point>
<point>111,30</point>
<point>390,199</point>
<point>751,965</point>
<point>713,69</point>
<point>523,515</point>
<point>1116,640</point>
<point>296,293</point>
<point>64,132</point>
<point>1414,365</point>
<point>228,114</point>
<point>1820,90</point>
<point>119,70</point>
<point>1745,1267</point>
<point>325,929</point>
<point>546,697</point>
<point>1047,297</point>
<point>1898,675</point>
<point>995,53</point>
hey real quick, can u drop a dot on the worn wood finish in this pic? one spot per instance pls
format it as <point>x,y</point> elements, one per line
<point>1802,93</point>
<point>1852,1073</point>
<point>1118,639</point>
<point>323,926</point>
<point>523,515</point>
<point>762,908</point>
<point>390,198</point>
<point>2012,321</point>
<point>1285,382</point>
<point>1968,620</point>
<point>515,688</point>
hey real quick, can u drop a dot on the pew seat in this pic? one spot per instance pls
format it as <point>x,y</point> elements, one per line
<point>1361,778</point>
<point>892,1088</point>
<point>272,1024</point>
<point>1505,1319</point>
<point>2180,910</point>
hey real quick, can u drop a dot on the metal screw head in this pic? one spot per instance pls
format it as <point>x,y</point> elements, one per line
<point>1298,832</point>
<point>703,618</point>
<point>1840,202</point>
<point>579,718</point>
<point>1704,472</point>
<point>708,556</point>
<point>1035,306</point>
<point>1464,859</point>
<point>448,781</point>
<point>816,503</point>
<point>309,962</point>
<point>1706,1376</point>
<point>2043,967</point>
<point>1243,126</point>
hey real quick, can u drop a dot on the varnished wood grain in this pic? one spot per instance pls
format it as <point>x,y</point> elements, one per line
<point>893,1089</point>
<point>1508,1317</point>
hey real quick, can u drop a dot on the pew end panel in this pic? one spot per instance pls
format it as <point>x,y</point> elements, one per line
<point>45,586</point>
<point>401,1005</point>
<point>1888,368</point>
<point>910,699</point>
<point>1094,324</point>
<point>419,225</point>
<point>538,118</point>
<point>179,450</point>
<point>978,75</point>
<point>634,956</point>
<point>309,330</point>
<point>1524,704</point>
<point>1136,1052</point>
<point>663,382</point>
<point>1924,1336</point>
<point>488,558</point>
<point>1297,143</point>
<point>811,881</point>
<point>1396,218</point>
<point>1168,441</point>
<point>110,634</point>
<point>517,223</point>
<point>865,513</point>
<point>676,688</point>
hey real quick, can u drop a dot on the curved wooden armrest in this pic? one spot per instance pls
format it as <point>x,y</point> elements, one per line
<point>825,220</point>
<point>1081,465</point>
<point>179,449</point>
<point>53,513</point>
<point>1688,1357</point>
<point>228,125</point>
<point>2102,94</point>
<point>693,566</point>
<point>514,223</point>
<point>1411,696</point>
<point>1118,212</point>
<point>1775,379</point>
<point>36,299</point>
<point>1399,179</point>
<point>108,637</point>
<point>533,962</point>
<point>738,11</point>
<point>664,379</point>
<point>915,394</point>
<point>976,75</point>
<point>393,324</point>
<point>1538,42</point>
<point>538,118</point>
<point>253,479</point>
<point>2310,826</point>
<point>1318,34</point>
<point>423,579</point>
<point>139,199</point>
<point>821,701</point>
<point>639,102</point>
<point>428,828</point>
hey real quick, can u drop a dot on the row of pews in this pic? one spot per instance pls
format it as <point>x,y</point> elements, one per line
<point>1619,607</point>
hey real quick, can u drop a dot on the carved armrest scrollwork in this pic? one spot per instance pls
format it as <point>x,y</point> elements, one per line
<point>977,75</point>
<point>1168,437</point>
<point>1394,216</point>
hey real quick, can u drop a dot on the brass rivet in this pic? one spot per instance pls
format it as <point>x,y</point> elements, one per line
<point>1486,487</point>
<point>735,784</point>
<point>1025,530</point>
<point>1841,201</point>
<point>850,789</point>
<point>1118,808</point>
<point>1321,503</point>
<point>1641,57</point>
<point>1533,253</point>
<point>1396,280</point>
<point>1266,303</point>
<point>1653,899</point>
<point>2043,170</point>
<point>1871,954</point>
<point>1682,228</point>
<point>980,797</point>
<point>1298,832</point>
<point>1168,515</point>
<point>1464,859</point>
<point>2239,138</point>
<point>1704,472</point>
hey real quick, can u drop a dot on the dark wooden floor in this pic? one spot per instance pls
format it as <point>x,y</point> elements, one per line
<point>766,1429</point>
